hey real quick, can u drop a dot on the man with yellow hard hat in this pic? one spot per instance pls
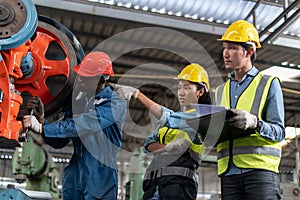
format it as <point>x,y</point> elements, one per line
<point>248,165</point>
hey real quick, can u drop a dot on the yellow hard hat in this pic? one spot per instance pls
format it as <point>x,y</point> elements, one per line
<point>195,73</point>
<point>241,31</point>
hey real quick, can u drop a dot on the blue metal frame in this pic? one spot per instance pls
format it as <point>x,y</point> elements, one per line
<point>26,31</point>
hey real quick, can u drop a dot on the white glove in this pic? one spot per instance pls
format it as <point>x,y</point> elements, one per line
<point>30,121</point>
<point>125,92</point>
<point>243,119</point>
<point>179,146</point>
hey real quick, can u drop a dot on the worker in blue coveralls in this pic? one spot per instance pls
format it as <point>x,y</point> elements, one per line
<point>177,148</point>
<point>94,125</point>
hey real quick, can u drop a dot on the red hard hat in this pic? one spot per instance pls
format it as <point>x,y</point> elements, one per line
<point>94,64</point>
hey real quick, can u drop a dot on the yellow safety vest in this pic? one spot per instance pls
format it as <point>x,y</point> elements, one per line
<point>167,135</point>
<point>252,151</point>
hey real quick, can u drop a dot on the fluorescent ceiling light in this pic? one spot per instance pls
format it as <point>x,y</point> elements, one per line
<point>283,73</point>
<point>287,42</point>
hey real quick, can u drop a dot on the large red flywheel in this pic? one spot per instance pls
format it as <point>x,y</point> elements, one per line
<point>52,77</point>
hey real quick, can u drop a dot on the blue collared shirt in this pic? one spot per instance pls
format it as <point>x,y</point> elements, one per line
<point>272,123</point>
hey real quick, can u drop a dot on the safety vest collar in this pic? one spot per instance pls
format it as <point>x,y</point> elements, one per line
<point>254,101</point>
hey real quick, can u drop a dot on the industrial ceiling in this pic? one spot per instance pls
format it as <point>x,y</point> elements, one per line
<point>151,40</point>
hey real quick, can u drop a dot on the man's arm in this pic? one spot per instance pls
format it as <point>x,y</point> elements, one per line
<point>272,124</point>
<point>85,123</point>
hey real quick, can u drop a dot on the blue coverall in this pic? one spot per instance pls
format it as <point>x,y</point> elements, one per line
<point>96,134</point>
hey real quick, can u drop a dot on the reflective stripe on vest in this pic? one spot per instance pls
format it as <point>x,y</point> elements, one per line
<point>251,151</point>
<point>172,171</point>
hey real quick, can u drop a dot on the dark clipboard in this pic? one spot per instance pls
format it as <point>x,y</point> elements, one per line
<point>214,128</point>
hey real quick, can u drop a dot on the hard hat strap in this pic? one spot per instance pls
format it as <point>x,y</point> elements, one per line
<point>252,44</point>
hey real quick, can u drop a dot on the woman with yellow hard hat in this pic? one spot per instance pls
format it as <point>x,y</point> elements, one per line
<point>176,147</point>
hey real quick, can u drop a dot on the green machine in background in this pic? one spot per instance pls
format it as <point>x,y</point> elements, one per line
<point>138,164</point>
<point>33,164</point>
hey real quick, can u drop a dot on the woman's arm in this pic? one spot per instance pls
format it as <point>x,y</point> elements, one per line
<point>155,146</point>
<point>126,92</point>
<point>150,105</point>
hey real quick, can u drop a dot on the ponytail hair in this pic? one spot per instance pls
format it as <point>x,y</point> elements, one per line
<point>206,97</point>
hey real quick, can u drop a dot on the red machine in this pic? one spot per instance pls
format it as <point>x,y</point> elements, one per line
<point>36,58</point>
<point>11,99</point>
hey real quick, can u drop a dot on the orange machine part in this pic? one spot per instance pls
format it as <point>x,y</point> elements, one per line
<point>43,67</point>
<point>9,107</point>
<point>13,58</point>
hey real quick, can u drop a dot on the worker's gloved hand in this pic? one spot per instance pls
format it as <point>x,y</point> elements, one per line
<point>178,146</point>
<point>125,92</point>
<point>35,104</point>
<point>242,119</point>
<point>30,121</point>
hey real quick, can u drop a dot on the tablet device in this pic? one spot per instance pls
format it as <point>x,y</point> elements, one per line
<point>214,128</point>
